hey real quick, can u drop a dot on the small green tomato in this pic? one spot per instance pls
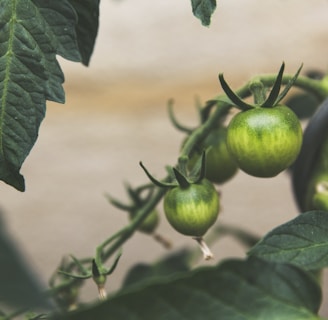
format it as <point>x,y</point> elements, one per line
<point>264,141</point>
<point>320,198</point>
<point>220,166</point>
<point>192,210</point>
<point>151,222</point>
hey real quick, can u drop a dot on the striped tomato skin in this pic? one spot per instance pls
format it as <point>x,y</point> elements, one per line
<point>264,141</point>
<point>192,210</point>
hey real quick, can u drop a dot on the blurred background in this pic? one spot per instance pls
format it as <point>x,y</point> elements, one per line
<point>116,115</point>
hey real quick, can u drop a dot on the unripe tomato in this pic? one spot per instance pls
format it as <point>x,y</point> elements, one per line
<point>220,166</point>
<point>320,198</point>
<point>192,210</point>
<point>150,223</point>
<point>264,141</point>
<point>317,188</point>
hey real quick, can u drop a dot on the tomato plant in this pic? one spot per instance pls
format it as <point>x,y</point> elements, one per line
<point>281,275</point>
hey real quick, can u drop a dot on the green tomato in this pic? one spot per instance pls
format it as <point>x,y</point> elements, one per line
<point>320,198</point>
<point>264,141</point>
<point>192,210</point>
<point>220,166</point>
<point>316,197</point>
<point>150,223</point>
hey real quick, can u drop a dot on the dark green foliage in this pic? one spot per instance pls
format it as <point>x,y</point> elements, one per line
<point>32,34</point>
<point>203,10</point>
<point>87,26</point>
<point>302,241</point>
<point>233,290</point>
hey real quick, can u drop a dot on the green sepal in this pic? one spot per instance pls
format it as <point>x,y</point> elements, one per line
<point>98,277</point>
<point>133,194</point>
<point>115,263</point>
<point>202,170</point>
<point>274,93</point>
<point>85,274</point>
<point>181,179</point>
<point>154,180</point>
<point>118,204</point>
<point>173,119</point>
<point>289,85</point>
<point>75,276</point>
<point>95,269</point>
<point>235,99</point>
<point>275,96</point>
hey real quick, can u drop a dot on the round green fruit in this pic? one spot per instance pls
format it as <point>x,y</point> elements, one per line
<point>220,166</point>
<point>192,210</point>
<point>150,223</point>
<point>264,141</point>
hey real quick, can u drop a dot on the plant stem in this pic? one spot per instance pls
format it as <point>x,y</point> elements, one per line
<point>124,234</point>
<point>162,240</point>
<point>207,253</point>
<point>258,90</point>
<point>102,292</point>
<point>313,86</point>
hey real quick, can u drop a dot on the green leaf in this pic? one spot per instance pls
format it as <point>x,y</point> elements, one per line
<point>32,33</point>
<point>173,263</point>
<point>87,27</point>
<point>203,10</point>
<point>19,285</point>
<point>302,241</point>
<point>236,289</point>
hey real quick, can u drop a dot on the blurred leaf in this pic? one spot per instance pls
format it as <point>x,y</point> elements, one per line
<point>203,10</point>
<point>19,285</point>
<point>302,241</point>
<point>32,34</point>
<point>87,27</point>
<point>313,139</point>
<point>171,264</point>
<point>236,289</point>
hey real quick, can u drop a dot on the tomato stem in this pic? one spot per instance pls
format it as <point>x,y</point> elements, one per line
<point>167,244</point>
<point>258,91</point>
<point>102,292</point>
<point>207,253</point>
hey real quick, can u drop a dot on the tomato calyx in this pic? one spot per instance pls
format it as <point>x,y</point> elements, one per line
<point>177,177</point>
<point>98,272</point>
<point>259,91</point>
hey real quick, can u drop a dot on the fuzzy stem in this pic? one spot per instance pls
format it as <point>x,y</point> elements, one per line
<point>102,292</point>
<point>257,88</point>
<point>167,244</point>
<point>207,253</point>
